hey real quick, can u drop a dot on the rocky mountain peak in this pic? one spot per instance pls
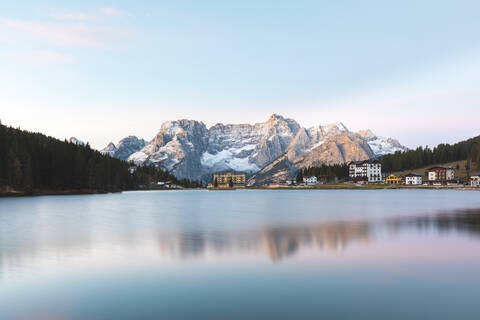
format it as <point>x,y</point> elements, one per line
<point>76,141</point>
<point>124,148</point>
<point>189,149</point>
<point>336,127</point>
<point>367,134</point>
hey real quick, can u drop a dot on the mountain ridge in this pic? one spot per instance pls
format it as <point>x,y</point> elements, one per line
<point>190,150</point>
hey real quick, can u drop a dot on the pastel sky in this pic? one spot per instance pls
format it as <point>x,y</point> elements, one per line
<point>103,70</point>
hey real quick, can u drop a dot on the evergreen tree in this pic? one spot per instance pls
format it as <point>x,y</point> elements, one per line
<point>299,177</point>
<point>17,174</point>
<point>34,162</point>
<point>467,167</point>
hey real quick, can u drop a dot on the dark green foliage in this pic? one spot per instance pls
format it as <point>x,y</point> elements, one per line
<point>330,172</point>
<point>230,183</point>
<point>467,167</point>
<point>422,157</point>
<point>299,177</point>
<point>32,162</point>
<point>215,183</point>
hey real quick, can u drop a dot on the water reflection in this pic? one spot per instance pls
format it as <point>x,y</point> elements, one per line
<point>22,253</point>
<point>284,241</point>
<point>277,242</point>
<point>461,221</point>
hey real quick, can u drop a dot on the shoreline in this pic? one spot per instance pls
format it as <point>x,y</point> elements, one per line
<point>15,194</point>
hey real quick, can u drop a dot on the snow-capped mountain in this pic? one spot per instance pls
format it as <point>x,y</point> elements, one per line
<point>189,149</point>
<point>125,147</point>
<point>76,141</point>
<point>380,145</point>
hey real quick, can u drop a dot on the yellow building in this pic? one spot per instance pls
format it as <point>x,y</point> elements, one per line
<point>393,179</point>
<point>229,179</point>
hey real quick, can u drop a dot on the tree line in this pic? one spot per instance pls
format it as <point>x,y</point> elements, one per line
<point>406,160</point>
<point>32,162</point>
<point>329,171</point>
<point>421,157</point>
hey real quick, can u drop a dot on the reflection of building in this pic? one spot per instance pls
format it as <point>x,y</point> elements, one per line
<point>393,179</point>
<point>441,174</point>
<point>370,170</point>
<point>413,178</point>
<point>229,179</point>
<point>475,180</point>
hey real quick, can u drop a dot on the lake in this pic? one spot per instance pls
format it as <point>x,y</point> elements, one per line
<point>245,254</point>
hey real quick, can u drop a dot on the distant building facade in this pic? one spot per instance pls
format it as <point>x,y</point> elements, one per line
<point>227,179</point>
<point>475,180</point>
<point>441,174</point>
<point>413,178</point>
<point>310,180</point>
<point>393,179</point>
<point>369,170</point>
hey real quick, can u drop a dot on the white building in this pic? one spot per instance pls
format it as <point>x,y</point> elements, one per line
<point>370,170</point>
<point>413,178</point>
<point>310,180</point>
<point>475,180</point>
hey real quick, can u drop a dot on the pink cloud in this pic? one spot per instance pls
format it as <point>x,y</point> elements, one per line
<point>67,34</point>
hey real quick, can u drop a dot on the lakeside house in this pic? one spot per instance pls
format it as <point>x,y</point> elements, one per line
<point>310,180</point>
<point>393,179</point>
<point>367,170</point>
<point>229,180</point>
<point>413,179</point>
<point>441,175</point>
<point>475,180</point>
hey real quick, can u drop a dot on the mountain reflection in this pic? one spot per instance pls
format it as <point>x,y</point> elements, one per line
<point>284,241</point>
<point>277,242</point>
<point>26,251</point>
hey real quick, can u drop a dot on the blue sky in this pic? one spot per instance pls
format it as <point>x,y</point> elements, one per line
<point>103,70</point>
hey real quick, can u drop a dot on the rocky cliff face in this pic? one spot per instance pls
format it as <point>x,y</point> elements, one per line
<point>273,149</point>
<point>125,147</point>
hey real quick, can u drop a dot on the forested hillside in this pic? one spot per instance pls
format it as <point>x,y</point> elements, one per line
<point>468,150</point>
<point>34,163</point>
<point>422,157</point>
<point>330,171</point>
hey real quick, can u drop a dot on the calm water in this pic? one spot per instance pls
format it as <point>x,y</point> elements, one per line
<point>404,254</point>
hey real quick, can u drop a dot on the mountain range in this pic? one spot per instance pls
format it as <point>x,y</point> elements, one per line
<point>269,151</point>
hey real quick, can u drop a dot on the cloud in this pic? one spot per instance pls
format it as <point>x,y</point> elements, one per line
<point>72,16</point>
<point>41,57</point>
<point>109,11</point>
<point>65,34</point>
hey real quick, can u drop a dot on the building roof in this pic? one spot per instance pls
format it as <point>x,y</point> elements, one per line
<point>411,174</point>
<point>369,161</point>
<point>440,167</point>
<point>229,172</point>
